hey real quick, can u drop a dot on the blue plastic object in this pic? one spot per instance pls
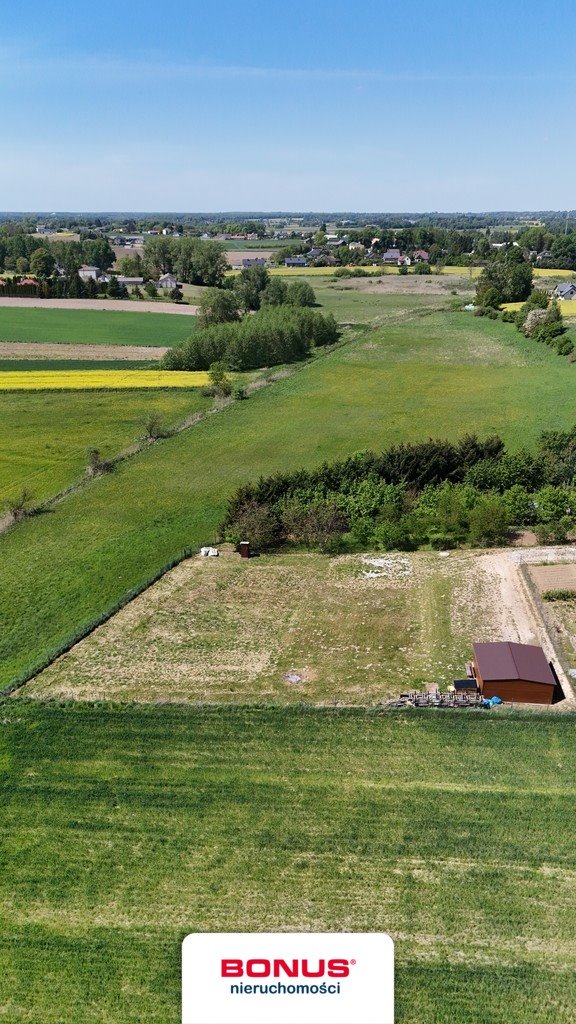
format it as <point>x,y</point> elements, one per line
<point>491,702</point>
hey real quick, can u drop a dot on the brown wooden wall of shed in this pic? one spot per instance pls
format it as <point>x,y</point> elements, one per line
<point>520,691</point>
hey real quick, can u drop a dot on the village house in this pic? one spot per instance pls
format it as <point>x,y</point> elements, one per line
<point>167,281</point>
<point>421,256</point>
<point>296,261</point>
<point>89,273</point>
<point>391,256</point>
<point>565,291</point>
<point>257,261</point>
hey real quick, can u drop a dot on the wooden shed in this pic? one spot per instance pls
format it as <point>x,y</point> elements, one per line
<point>514,672</point>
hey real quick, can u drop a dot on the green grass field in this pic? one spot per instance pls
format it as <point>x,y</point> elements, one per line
<point>125,829</point>
<point>45,436</point>
<point>94,327</point>
<point>25,365</point>
<point>442,374</point>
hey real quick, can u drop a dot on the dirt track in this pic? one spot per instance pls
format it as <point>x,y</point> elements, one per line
<point>46,350</point>
<point>520,619</point>
<point>112,305</point>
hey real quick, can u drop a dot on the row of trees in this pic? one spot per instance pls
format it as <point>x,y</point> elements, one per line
<point>23,254</point>
<point>273,335</point>
<point>436,494</point>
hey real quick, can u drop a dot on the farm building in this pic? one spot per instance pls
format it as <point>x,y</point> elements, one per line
<point>167,281</point>
<point>296,261</point>
<point>514,672</point>
<point>391,256</point>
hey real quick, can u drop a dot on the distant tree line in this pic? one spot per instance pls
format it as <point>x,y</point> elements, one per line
<point>23,253</point>
<point>434,494</point>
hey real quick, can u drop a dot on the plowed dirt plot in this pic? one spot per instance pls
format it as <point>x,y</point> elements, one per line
<point>356,629</point>
<point>554,577</point>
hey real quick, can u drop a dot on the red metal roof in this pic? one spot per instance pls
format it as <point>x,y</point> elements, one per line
<point>503,660</point>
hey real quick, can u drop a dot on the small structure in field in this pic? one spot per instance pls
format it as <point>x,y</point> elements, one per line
<point>514,672</point>
<point>167,281</point>
<point>244,549</point>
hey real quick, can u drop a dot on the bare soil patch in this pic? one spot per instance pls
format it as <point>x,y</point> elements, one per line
<point>45,350</point>
<point>554,577</point>
<point>235,258</point>
<point>112,305</point>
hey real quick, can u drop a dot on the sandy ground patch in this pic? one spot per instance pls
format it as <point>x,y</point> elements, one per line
<point>47,350</point>
<point>112,305</point>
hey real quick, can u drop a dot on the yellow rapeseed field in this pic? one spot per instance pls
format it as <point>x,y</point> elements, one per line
<point>568,309</point>
<point>80,380</point>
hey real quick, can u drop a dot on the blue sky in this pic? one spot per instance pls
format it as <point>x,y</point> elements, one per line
<point>324,105</point>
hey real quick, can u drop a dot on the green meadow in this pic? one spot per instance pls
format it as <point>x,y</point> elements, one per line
<point>420,374</point>
<point>45,436</point>
<point>93,326</point>
<point>125,828</point>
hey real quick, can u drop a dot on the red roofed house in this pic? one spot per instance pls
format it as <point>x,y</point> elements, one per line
<point>514,672</point>
<point>421,256</point>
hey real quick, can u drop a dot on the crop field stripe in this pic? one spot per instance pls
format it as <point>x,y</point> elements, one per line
<point>127,828</point>
<point>85,380</point>
<point>93,327</point>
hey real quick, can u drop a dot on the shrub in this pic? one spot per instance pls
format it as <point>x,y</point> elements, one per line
<point>300,293</point>
<point>21,506</point>
<point>258,524</point>
<point>559,595</point>
<point>220,383</point>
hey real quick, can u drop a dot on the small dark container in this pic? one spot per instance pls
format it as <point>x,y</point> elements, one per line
<point>244,549</point>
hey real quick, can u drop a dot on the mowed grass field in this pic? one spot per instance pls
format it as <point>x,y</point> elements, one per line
<point>124,829</point>
<point>93,327</point>
<point>286,629</point>
<point>427,374</point>
<point>45,437</point>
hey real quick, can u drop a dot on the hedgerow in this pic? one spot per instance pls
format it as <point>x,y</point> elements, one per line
<point>273,335</point>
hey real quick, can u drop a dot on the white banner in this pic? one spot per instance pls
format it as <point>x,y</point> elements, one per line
<point>322,978</point>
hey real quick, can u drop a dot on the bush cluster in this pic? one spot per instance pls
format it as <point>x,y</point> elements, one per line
<point>434,494</point>
<point>273,335</point>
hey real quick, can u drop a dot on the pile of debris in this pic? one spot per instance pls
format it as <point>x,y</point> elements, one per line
<point>436,699</point>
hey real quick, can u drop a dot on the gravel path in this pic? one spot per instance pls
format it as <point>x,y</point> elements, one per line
<point>112,305</point>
